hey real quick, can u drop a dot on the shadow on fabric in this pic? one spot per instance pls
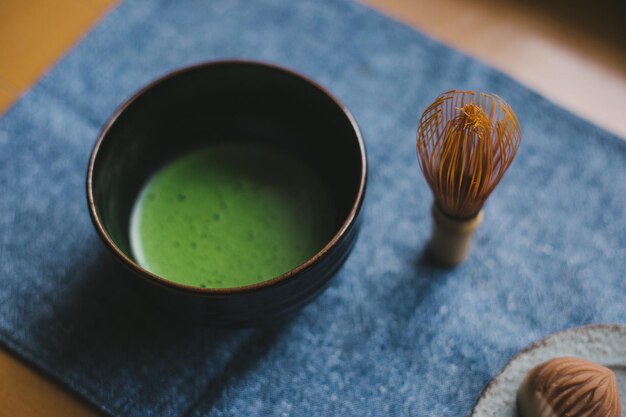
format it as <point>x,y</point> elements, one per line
<point>100,320</point>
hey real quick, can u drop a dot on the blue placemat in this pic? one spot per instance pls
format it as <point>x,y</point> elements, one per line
<point>393,335</point>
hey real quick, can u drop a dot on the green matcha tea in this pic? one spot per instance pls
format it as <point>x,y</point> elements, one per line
<point>230,215</point>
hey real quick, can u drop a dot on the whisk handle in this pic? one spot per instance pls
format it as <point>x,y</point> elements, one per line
<point>452,238</point>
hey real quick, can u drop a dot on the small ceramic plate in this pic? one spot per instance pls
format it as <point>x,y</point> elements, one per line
<point>601,343</point>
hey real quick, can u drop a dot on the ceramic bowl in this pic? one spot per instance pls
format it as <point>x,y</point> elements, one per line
<point>192,107</point>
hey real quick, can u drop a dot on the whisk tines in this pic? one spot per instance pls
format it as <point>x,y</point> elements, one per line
<point>466,140</point>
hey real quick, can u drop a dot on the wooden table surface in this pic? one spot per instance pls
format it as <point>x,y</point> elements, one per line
<point>575,55</point>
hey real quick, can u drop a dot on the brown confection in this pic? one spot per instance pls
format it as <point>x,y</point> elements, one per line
<point>569,387</point>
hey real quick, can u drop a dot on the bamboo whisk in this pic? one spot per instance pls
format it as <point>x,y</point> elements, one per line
<point>466,140</point>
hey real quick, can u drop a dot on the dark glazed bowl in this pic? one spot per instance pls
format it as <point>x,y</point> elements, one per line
<point>204,104</point>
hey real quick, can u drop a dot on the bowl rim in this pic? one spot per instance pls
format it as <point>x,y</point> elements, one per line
<point>198,291</point>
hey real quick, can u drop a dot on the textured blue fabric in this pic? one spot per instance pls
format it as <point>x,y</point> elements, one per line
<point>394,334</point>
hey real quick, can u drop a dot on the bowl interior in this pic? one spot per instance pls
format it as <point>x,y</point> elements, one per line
<point>217,102</point>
